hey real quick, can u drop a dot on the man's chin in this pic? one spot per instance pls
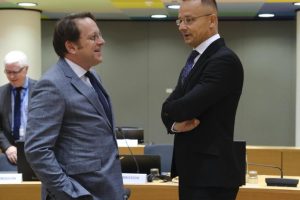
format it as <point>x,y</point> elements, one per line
<point>187,41</point>
<point>98,61</point>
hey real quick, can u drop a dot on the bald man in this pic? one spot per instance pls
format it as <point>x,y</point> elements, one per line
<point>201,110</point>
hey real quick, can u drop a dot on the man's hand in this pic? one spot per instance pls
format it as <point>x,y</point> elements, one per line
<point>186,126</point>
<point>11,153</point>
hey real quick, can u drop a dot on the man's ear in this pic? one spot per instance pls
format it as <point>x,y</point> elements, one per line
<point>213,21</point>
<point>71,47</point>
<point>26,68</point>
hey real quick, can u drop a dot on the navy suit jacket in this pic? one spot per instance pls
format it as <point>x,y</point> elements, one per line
<point>211,92</point>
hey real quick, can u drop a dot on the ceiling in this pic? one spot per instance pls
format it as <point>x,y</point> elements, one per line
<point>143,9</point>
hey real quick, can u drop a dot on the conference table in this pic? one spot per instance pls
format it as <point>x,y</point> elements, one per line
<point>160,191</point>
<point>288,157</point>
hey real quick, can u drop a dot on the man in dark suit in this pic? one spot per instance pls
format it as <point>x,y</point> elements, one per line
<point>70,141</point>
<point>15,68</point>
<point>201,110</point>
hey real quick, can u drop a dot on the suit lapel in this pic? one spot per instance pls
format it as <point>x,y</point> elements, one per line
<point>198,67</point>
<point>83,89</point>
<point>8,108</point>
<point>105,94</point>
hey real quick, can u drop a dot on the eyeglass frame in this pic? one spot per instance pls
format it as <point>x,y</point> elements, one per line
<point>191,19</point>
<point>15,73</point>
<point>96,36</point>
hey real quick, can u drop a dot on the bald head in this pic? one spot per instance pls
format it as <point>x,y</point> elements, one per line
<point>207,3</point>
<point>198,21</point>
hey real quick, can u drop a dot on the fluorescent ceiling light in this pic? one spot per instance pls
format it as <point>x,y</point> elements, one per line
<point>27,4</point>
<point>158,16</point>
<point>266,15</point>
<point>174,6</point>
<point>297,4</point>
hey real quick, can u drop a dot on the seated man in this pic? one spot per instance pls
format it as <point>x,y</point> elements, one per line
<point>14,97</point>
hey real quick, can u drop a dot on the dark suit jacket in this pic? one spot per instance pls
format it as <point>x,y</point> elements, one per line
<point>6,137</point>
<point>211,92</point>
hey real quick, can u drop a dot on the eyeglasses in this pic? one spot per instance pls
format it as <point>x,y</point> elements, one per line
<point>95,37</point>
<point>189,20</point>
<point>9,73</point>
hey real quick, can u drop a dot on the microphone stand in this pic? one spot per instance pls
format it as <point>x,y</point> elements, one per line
<point>278,181</point>
<point>134,159</point>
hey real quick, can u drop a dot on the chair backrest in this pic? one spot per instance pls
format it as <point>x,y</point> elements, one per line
<point>5,165</point>
<point>139,163</point>
<point>124,132</point>
<point>165,151</point>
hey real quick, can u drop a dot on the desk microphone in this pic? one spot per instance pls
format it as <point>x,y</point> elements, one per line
<point>126,194</point>
<point>278,181</point>
<point>131,154</point>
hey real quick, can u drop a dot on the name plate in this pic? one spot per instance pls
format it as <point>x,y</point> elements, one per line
<point>10,178</point>
<point>127,142</point>
<point>130,178</point>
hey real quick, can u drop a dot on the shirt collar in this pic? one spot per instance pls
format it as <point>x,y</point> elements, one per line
<point>25,86</point>
<point>79,71</point>
<point>203,46</point>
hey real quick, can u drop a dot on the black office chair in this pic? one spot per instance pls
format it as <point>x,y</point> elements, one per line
<point>139,163</point>
<point>126,132</point>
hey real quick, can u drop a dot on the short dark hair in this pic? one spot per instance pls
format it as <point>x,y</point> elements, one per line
<point>67,30</point>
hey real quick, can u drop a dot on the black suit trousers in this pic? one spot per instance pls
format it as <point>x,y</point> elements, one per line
<point>207,193</point>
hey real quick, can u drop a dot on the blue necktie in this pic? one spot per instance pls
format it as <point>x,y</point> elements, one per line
<point>189,65</point>
<point>17,113</point>
<point>98,88</point>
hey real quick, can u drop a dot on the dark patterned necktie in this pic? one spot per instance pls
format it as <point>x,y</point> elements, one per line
<point>98,88</point>
<point>17,113</point>
<point>189,65</point>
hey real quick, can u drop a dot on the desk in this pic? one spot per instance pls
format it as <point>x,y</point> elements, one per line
<point>261,191</point>
<point>159,191</point>
<point>22,191</point>
<point>271,155</point>
<point>169,191</point>
<point>138,150</point>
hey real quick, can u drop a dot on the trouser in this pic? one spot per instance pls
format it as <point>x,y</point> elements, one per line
<point>207,193</point>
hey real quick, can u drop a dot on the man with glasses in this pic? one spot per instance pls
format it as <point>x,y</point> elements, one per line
<point>14,98</point>
<point>201,110</point>
<point>70,141</point>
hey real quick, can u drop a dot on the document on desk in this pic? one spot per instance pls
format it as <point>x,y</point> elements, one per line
<point>8,177</point>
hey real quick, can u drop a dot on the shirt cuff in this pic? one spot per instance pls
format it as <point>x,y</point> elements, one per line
<point>172,128</point>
